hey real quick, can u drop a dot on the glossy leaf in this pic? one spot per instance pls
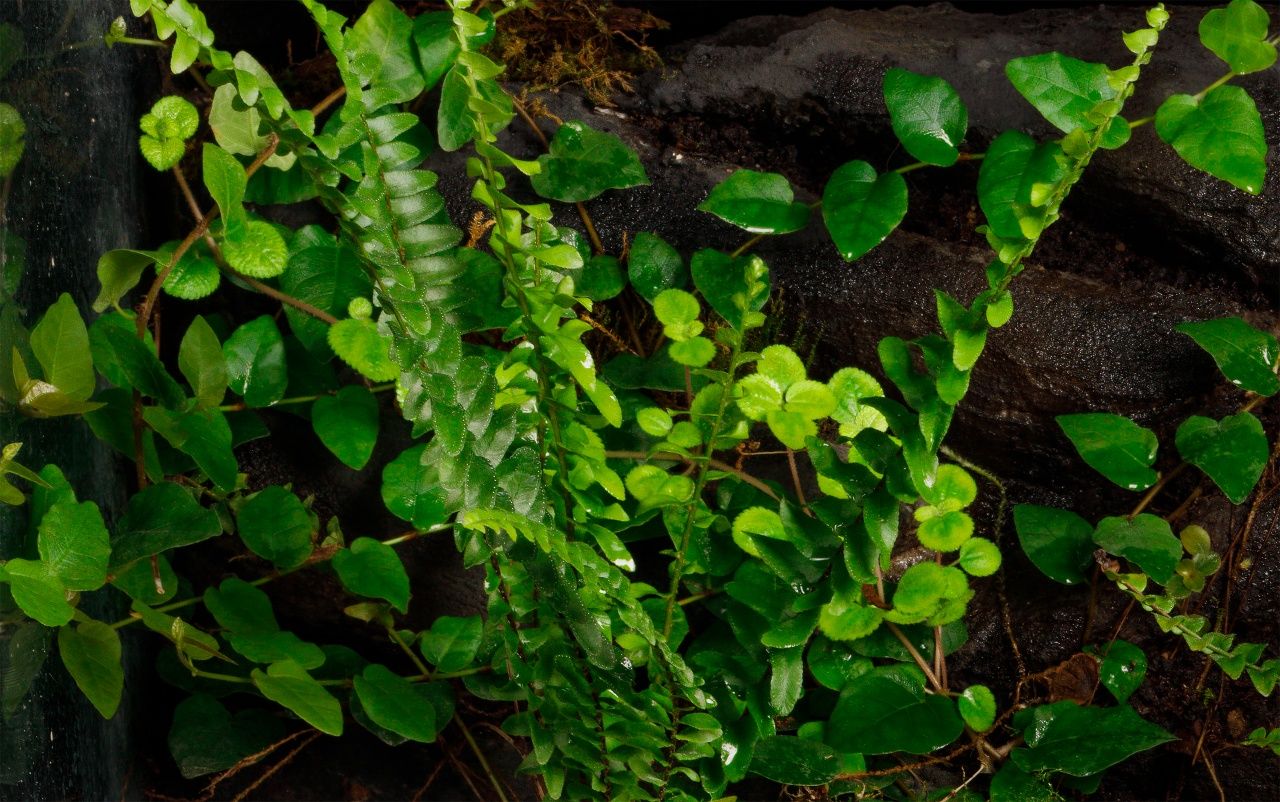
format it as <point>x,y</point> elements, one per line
<point>653,266</point>
<point>979,557</point>
<point>583,163</point>
<point>1146,541</point>
<point>886,710</point>
<point>276,526</point>
<point>1014,166</point>
<point>202,434</point>
<point>410,492</point>
<point>1058,542</point>
<point>396,704</point>
<point>347,424</point>
<point>1114,446</point>
<point>131,362</point>
<point>370,568</point>
<point>257,250</point>
<point>1123,669</point>
<point>1237,34</point>
<point>1081,741</point>
<point>256,362</point>
<point>1065,90</point>
<point>224,178</point>
<point>1245,355</point>
<point>1220,134</point>
<point>861,208</point>
<point>927,115</point>
<point>1232,451</point>
<point>790,760</point>
<point>91,653</point>
<point>201,362</point>
<point>380,44</point>
<point>360,345</point>
<point>452,642</point>
<point>977,707</point>
<point>762,203</point>
<point>289,685</point>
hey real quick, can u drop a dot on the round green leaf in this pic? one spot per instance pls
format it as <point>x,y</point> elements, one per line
<point>844,619</point>
<point>811,399</point>
<point>358,343</point>
<point>1233,451</point>
<point>654,421</point>
<point>979,557</point>
<point>946,531</point>
<point>756,522</point>
<point>192,278</point>
<point>1123,669</point>
<point>676,308</point>
<point>1220,134</point>
<point>850,386</point>
<point>762,203</point>
<point>886,710</point>
<point>582,163</point>
<point>255,360</point>
<point>654,266</point>
<point>370,568</point>
<point>74,544</point>
<point>834,664</point>
<point>953,488</point>
<point>860,208</point>
<point>347,424</point>
<point>601,278</point>
<point>1114,446</point>
<point>257,250</point>
<point>452,642</point>
<point>791,428</point>
<point>977,707</point>
<point>1237,34</point>
<point>927,115</point>
<point>1146,541</point>
<point>411,492</point>
<point>276,526</point>
<point>930,592</point>
<point>694,352</point>
<point>1058,542</point>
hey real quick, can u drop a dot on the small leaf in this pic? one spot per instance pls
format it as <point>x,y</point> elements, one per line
<point>1123,669</point>
<point>1220,134</point>
<point>1233,451</point>
<point>845,619</point>
<point>1114,446</point>
<point>654,266</point>
<point>977,707</point>
<point>582,163</point>
<point>412,493</point>
<point>91,653</point>
<point>452,642</point>
<point>762,203</point>
<point>930,593</point>
<point>276,526</point>
<point>979,557</point>
<point>1146,541</point>
<point>1245,355</point>
<point>393,702</point>
<point>224,178</point>
<point>360,345</point>
<point>1014,167</point>
<point>1081,741</point>
<point>790,760</point>
<point>255,359</point>
<point>118,272</point>
<point>347,424</point>
<point>861,208</point>
<point>945,531</point>
<point>724,281</point>
<point>201,362</point>
<point>290,686</point>
<point>927,115</point>
<point>370,568</point>
<point>12,129</point>
<point>1237,34</point>
<point>257,250</point>
<point>195,276</point>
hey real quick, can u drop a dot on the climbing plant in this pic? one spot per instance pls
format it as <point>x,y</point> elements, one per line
<point>662,622</point>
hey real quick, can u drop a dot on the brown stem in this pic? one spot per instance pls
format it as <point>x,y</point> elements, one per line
<point>596,245</point>
<point>915,655</point>
<point>329,100</point>
<point>714,463</point>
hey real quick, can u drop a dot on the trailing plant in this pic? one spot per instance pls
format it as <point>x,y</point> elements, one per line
<point>663,622</point>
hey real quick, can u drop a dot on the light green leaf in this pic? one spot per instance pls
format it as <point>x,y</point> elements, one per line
<point>762,203</point>
<point>37,592</point>
<point>452,642</point>
<point>945,531</point>
<point>12,129</point>
<point>1237,34</point>
<point>1081,741</point>
<point>977,707</point>
<point>791,428</point>
<point>583,163</point>
<point>370,568</point>
<point>654,266</point>
<point>276,526</point>
<point>953,488</point>
<point>756,522</point>
<point>195,276</point>
<point>1065,90</point>
<point>810,399</point>
<point>1058,542</point>
<point>161,517</point>
<point>290,686</point>
<point>931,593</point>
<point>118,272</point>
<point>255,359</point>
<point>1114,446</point>
<point>393,702</point>
<point>861,208</point>
<point>1015,166</point>
<point>236,130</point>
<point>1233,451</point>
<point>886,710</point>
<point>846,618</point>
<point>1245,355</point>
<point>380,46</point>
<point>60,343</point>
<point>1146,541</point>
<point>1220,134</point>
<point>74,544</point>
<point>347,424</point>
<point>850,386</point>
<point>979,557</point>
<point>257,250</point>
<point>695,352</point>
<point>360,345</point>
<point>201,362</point>
<point>224,178</point>
<point>91,653</point>
<point>927,115</point>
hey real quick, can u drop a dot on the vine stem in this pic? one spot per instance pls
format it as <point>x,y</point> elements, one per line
<point>303,399</point>
<point>712,462</point>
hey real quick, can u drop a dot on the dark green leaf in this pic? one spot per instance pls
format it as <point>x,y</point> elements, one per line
<point>451,643</point>
<point>201,362</point>
<point>370,568</point>
<point>327,276</point>
<point>583,163</point>
<point>1114,446</point>
<point>1220,134</point>
<point>1012,784</point>
<point>654,266</point>
<point>130,362</point>
<point>1059,542</point>
<point>395,703</point>
<point>1244,354</point>
<point>762,203</point>
<point>347,424</point>
<point>203,435</point>
<point>1015,164</point>
<point>886,710</point>
<point>1123,669</point>
<point>795,761</point>
<point>437,47</point>
<point>240,607</point>
<point>1237,34</point>
<point>74,544</point>
<point>276,526</point>
<point>1080,741</point>
<point>161,517</point>
<point>91,653</point>
<point>22,655</point>
<point>410,492</point>
<point>1233,451</point>
<point>255,362</point>
<point>205,738</point>
<point>288,684</point>
<point>927,115</point>
<point>1146,541</point>
<point>719,277</point>
<point>861,208</point>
